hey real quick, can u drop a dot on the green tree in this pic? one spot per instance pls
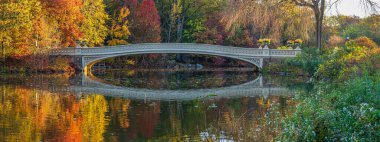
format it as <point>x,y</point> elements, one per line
<point>355,31</point>
<point>175,15</point>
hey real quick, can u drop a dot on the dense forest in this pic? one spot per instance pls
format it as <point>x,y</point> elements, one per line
<point>32,27</point>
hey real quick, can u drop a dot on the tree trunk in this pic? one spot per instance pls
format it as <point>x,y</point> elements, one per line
<point>168,38</point>
<point>3,54</point>
<point>319,31</point>
<point>181,21</point>
<point>319,15</point>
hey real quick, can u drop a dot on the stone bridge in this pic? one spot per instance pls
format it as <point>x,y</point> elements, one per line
<point>86,57</point>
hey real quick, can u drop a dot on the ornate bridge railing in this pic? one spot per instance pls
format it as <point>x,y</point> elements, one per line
<point>160,47</point>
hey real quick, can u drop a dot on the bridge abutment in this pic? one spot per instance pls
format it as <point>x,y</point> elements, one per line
<point>78,62</point>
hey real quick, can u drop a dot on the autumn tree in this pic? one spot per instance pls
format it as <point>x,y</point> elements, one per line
<point>213,31</point>
<point>119,31</point>
<point>16,26</point>
<point>146,23</point>
<point>94,24</point>
<point>268,19</point>
<point>319,8</point>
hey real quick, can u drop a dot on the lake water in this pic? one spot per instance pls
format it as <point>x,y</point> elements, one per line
<point>142,105</point>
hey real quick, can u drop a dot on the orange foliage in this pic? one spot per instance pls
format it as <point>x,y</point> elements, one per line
<point>68,16</point>
<point>335,41</point>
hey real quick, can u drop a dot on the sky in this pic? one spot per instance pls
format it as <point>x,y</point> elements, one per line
<point>350,7</point>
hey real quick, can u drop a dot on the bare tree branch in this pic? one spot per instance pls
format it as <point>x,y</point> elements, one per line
<point>370,4</point>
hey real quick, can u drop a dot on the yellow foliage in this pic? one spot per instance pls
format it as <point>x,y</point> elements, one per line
<point>131,62</point>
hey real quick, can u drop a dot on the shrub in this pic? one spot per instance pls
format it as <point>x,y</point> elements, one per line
<point>362,41</point>
<point>345,63</point>
<point>309,60</point>
<point>345,112</point>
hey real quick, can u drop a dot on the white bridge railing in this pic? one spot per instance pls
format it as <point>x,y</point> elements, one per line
<point>176,48</point>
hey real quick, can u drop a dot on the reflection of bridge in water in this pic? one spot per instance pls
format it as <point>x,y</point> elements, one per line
<point>84,58</point>
<point>92,85</point>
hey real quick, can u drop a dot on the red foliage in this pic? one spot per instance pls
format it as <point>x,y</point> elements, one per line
<point>146,25</point>
<point>132,5</point>
<point>214,33</point>
<point>243,39</point>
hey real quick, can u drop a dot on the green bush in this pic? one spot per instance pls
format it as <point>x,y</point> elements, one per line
<point>309,60</point>
<point>346,112</point>
<point>343,106</point>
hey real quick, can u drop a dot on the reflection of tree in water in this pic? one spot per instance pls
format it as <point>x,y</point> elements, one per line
<point>237,119</point>
<point>250,121</point>
<point>119,119</point>
<point>32,115</point>
<point>132,120</point>
<point>93,110</point>
<point>119,111</point>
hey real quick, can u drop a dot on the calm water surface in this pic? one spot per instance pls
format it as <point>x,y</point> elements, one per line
<point>44,108</point>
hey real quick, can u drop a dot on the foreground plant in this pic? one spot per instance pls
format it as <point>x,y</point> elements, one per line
<point>346,112</point>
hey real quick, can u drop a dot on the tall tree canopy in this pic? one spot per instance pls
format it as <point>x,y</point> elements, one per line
<point>67,15</point>
<point>119,31</point>
<point>176,14</point>
<point>269,19</point>
<point>16,26</point>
